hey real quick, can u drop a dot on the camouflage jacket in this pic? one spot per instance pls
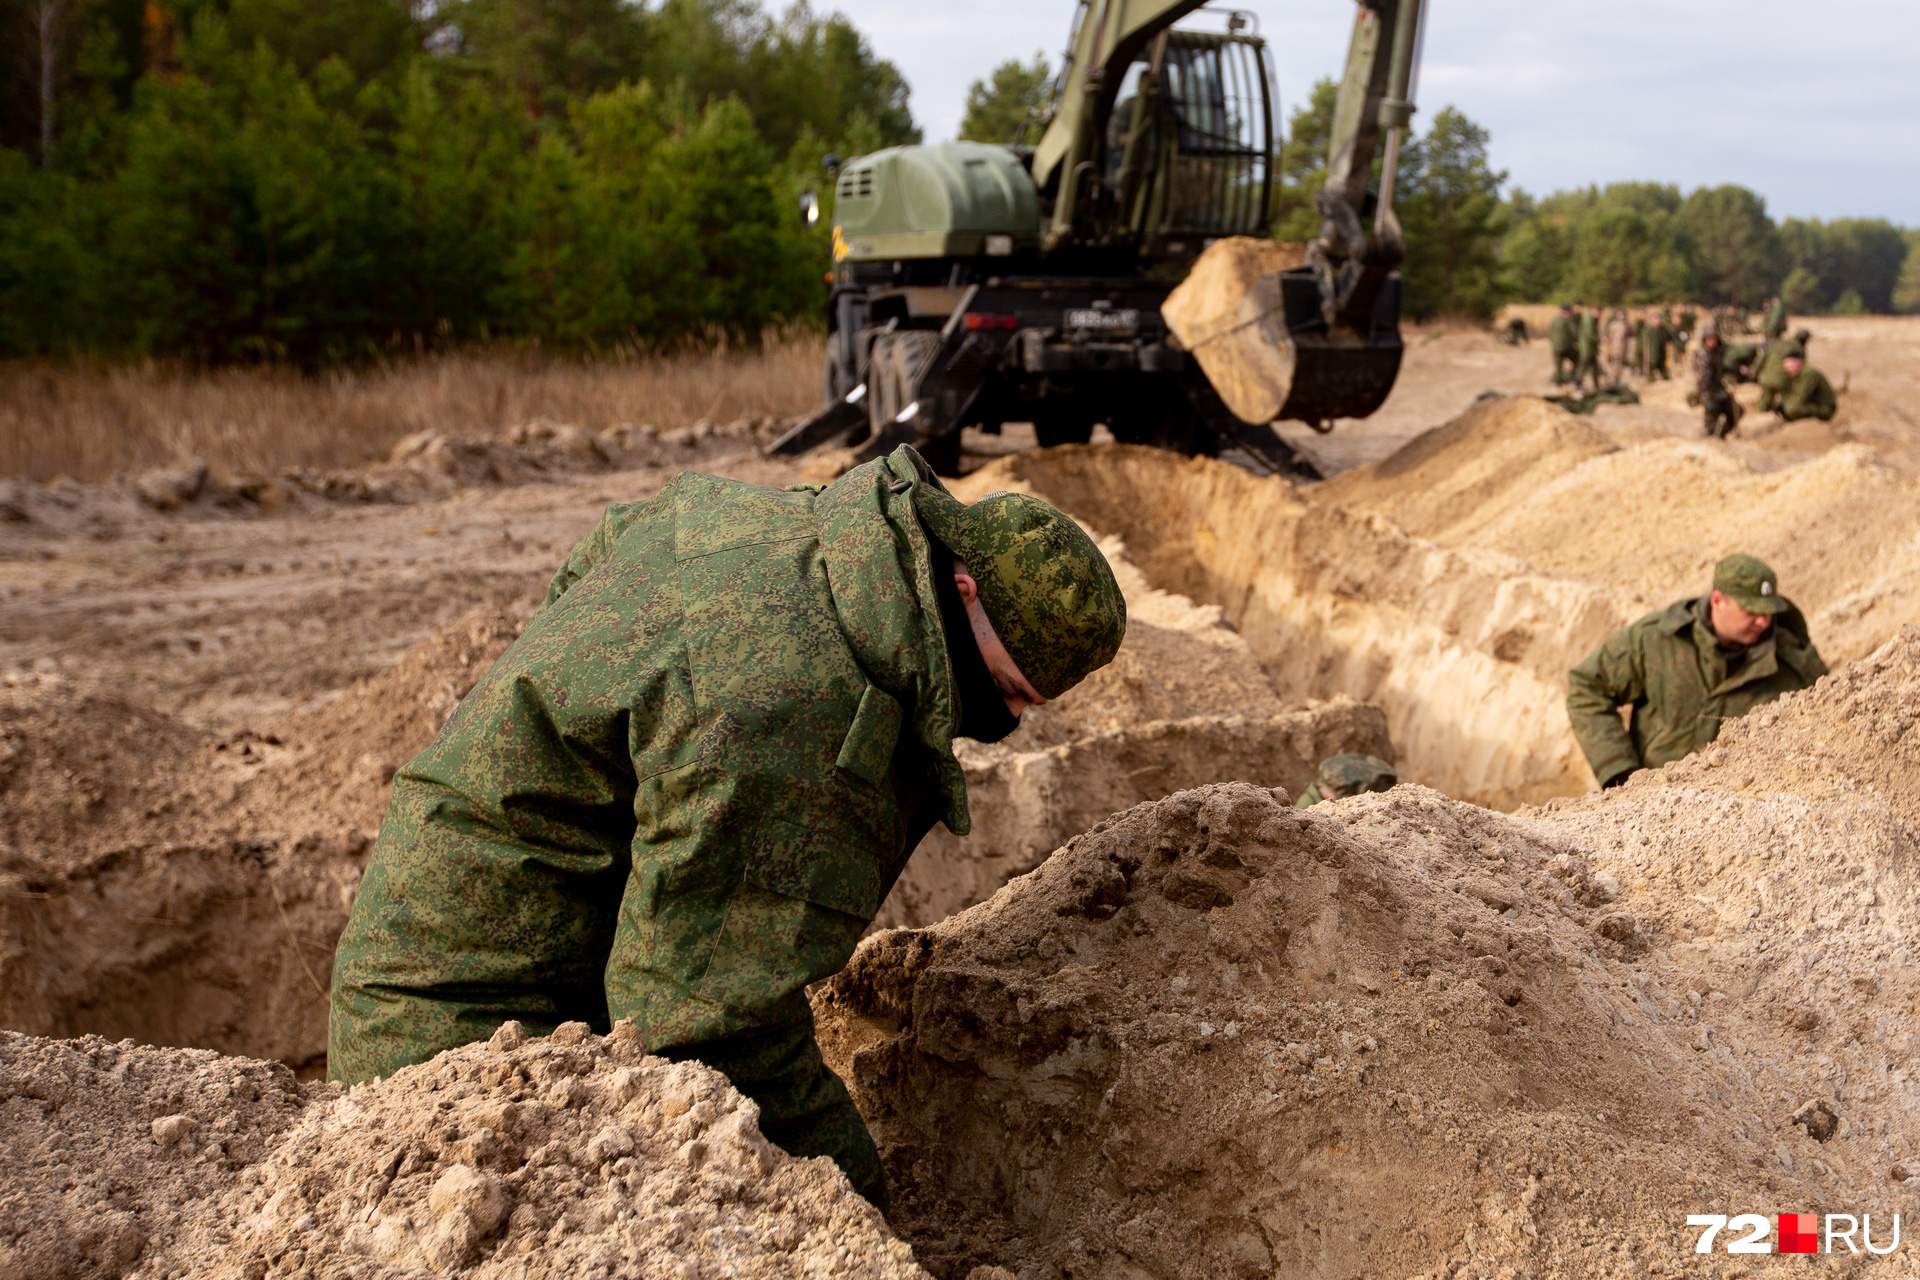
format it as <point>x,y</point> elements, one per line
<point>1809,396</point>
<point>1669,669</point>
<point>682,793</point>
<point>1563,336</point>
<point>1589,334</point>
<point>1773,370</point>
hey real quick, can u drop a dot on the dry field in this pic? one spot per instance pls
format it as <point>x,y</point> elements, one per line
<point>1147,1020</point>
<point>93,423</point>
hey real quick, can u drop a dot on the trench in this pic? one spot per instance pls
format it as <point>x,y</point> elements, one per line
<point>1465,650</point>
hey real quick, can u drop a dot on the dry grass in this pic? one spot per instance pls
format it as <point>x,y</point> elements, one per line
<point>95,422</point>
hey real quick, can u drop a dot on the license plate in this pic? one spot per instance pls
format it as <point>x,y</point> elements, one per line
<point>1091,320</point>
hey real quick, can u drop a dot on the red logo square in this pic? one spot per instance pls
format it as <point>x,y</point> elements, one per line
<point>1799,1233</point>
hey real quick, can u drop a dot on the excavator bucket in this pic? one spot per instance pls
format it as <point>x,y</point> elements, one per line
<point>1250,313</point>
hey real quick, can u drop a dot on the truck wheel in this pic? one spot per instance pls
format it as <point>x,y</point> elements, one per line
<point>893,375</point>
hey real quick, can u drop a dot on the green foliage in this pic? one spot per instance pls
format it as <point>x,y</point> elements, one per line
<point>316,183</point>
<point>1849,303</point>
<point>1640,242</point>
<point>1906,293</point>
<point>1735,248</point>
<point>1449,207</point>
<point>997,106</point>
<point>1801,291</point>
<point>1861,255</point>
<point>1303,164</point>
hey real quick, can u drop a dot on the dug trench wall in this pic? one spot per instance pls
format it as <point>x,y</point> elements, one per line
<point>1464,650</point>
<point>1455,582</point>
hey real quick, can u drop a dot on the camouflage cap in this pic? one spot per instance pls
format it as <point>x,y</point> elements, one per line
<point>1048,591</point>
<point>1349,775</point>
<point>1752,585</point>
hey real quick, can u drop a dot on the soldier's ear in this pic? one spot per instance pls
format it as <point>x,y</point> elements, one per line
<point>969,589</point>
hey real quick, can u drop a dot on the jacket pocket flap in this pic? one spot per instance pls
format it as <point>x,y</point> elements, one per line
<point>867,752</point>
<point>800,862</point>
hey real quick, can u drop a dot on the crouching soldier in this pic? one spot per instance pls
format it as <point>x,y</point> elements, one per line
<point>1686,670</point>
<point>684,791</point>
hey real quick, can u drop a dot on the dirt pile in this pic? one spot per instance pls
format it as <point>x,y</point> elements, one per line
<point>186,888</point>
<point>1401,1035</point>
<point>569,1156</point>
<point>421,467</point>
<point>1183,703</point>
<point>1645,524</point>
<point>111,1148</point>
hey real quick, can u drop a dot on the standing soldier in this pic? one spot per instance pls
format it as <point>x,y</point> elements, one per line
<point>1619,338</point>
<point>1589,366</point>
<point>1640,345</point>
<point>1776,324</point>
<point>1710,392</point>
<point>681,795</point>
<point>1687,670</point>
<point>1563,339</point>
<point>1659,334</point>
<point>1688,318</point>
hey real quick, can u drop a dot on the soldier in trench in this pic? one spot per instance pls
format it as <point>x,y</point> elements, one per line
<point>1684,671</point>
<point>684,791</point>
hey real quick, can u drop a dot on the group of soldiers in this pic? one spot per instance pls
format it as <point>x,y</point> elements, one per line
<point>1581,341</point>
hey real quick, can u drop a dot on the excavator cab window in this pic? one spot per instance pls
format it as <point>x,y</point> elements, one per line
<point>1206,168</point>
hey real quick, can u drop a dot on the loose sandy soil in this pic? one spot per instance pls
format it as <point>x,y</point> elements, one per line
<point>1487,1025</point>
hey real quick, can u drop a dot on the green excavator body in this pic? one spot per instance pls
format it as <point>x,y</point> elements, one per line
<point>977,283</point>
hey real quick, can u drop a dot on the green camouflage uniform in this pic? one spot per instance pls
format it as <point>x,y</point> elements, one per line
<point>1776,322</point>
<point>1563,340</point>
<point>1738,360</point>
<point>683,793</point>
<point>1680,681</point>
<point>1347,775</point>
<point>1773,377</point>
<point>1686,334</point>
<point>1809,395</point>
<point>1589,365</point>
<point>1658,336</point>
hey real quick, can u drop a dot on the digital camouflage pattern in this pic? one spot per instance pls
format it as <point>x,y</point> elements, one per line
<point>679,797</point>
<point>1669,669</point>
<point>1048,591</point>
<point>1809,395</point>
<point>1349,774</point>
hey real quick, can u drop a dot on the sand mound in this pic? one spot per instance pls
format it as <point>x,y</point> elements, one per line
<point>111,1148</point>
<point>1402,1035</point>
<point>571,1156</point>
<point>1220,1037</point>
<point>1184,702</point>
<point>1443,484</point>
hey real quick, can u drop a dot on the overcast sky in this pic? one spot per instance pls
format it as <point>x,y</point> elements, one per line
<point>1815,104</point>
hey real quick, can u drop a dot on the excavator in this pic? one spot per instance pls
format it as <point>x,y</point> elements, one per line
<point>1121,271</point>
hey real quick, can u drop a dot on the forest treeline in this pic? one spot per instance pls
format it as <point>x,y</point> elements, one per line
<point>312,181</point>
<point>279,179</point>
<point>1473,244</point>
